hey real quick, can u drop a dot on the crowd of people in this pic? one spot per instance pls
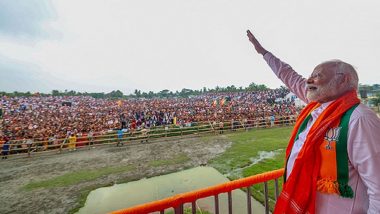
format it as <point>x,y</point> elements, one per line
<point>54,117</point>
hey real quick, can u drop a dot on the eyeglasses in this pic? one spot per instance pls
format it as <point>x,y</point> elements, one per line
<point>319,75</point>
<point>315,76</point>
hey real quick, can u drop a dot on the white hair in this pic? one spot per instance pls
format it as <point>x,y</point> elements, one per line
<point>346,69</point>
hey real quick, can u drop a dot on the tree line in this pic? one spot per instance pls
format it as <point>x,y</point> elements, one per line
<point>185,93</point>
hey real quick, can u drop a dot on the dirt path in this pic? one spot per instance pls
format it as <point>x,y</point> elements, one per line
<point>16,173</point>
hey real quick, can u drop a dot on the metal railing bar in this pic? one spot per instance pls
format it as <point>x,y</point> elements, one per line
<point>249,205</point>
<point>276,190</point>
<point>179,209</point>
<point>266,203</point>
<point>216,200</point>
<point>229,202</point>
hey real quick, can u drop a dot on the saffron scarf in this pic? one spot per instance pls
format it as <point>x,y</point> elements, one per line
<point>299,191</point>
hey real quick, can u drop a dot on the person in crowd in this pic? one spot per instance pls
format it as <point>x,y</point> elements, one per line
<point>119,134</point>
<point>272,119</point>
<point>144,135</point>
<point>5,148</point>
<point>334,150</point>
<point>221,127</point>
<point>72,142</point>
<point>90,137</point>
<point>30,143</point>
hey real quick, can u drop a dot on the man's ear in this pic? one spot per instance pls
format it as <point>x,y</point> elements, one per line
<point>347,79</point>
<point>344,80</point>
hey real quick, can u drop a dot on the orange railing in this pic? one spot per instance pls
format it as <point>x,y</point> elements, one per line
<point>176,202</point>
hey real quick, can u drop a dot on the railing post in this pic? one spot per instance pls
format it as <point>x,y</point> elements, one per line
<point>249,205</point>
<point>229,202</point>
<point>193,208</point>
<point>266,197</point>
<point>276,190</point>
<point>216,199</point>
<point>179,209</point>
<point>30,147</point>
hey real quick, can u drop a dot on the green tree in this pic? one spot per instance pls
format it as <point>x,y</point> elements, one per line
<point>137,93</point>
<point>262,87</point>
<point>151,94</point>
<point>376,100</point>
<point>185,92</point>
<point>164,93</point>
<point>115,94</point>
<point>98,95</point>
<point>71,93</point>
<point>55,93</point>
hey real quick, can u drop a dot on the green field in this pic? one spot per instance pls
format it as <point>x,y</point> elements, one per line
<point>247,145</point>
<point>76,177</point>
<point>178,159</point>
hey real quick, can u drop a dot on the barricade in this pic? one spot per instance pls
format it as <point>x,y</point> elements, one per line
<point>178,202</point>
<point>20,147</point>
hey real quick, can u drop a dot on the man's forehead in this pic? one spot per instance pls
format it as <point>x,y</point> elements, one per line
<point>325,67</point>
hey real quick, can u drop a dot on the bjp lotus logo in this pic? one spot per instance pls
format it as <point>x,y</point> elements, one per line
<point>331,136</point>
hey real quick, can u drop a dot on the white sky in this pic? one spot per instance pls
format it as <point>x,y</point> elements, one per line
<point>104,45</point>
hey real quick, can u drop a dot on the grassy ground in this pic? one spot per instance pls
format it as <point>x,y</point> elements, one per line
<point>244,147</point>
<point>247,145</point>
<point>188,211</point>
<point>178,159</point>
<point>76,177</point>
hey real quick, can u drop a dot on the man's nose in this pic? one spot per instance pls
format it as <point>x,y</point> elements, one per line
<point>310,80</point>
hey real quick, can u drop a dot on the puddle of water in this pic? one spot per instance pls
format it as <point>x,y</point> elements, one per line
<point>238,173</point>
<point>121,196</point>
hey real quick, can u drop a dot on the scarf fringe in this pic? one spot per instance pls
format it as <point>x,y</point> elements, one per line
<point>346,191</point>
<point>327,186</point>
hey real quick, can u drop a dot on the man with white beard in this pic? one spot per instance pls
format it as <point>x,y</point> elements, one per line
<point>333,155</point>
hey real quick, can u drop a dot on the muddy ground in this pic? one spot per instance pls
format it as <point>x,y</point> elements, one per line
<point>15,173</point>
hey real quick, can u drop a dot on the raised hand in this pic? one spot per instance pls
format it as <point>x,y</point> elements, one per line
<point>256,43</point>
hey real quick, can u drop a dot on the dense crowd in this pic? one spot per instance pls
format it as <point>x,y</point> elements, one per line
<point>42,118</point>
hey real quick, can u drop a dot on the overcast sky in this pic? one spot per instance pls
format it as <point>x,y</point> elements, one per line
<point>104,45</point>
